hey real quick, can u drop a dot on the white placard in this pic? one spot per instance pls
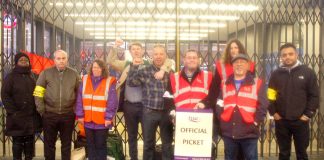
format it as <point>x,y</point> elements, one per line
<point>193,134</point>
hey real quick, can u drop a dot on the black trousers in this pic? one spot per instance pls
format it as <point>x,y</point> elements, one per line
<point>133,113</point>
<point>23,144</point>
<point>296,129</point>
<point>96,143</point>
<point>58,123</point>
<point>152,119</point>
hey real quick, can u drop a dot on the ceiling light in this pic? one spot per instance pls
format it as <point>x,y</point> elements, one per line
<point>184,5</point>
<point>130,5</point>
<point>219,17</point>
<point>202,6</point>
<point>98,4</point>
<point>206,24</point>
<point>183,16</point>
<point>121,5</point>
<point>59,4</point>
<point>161,5</point>
<point>171,5</point>
<point>98,29</point>
<point>84,15</point>
<point>140,5</point>
<point>150,5</point>
<point>153,24</point>
<point>233,7</point>
<point>89,4</point>
<point>198,30</point>
<point>91,23</point>
<point>69,4</point>
<point>111,5</point>
<point>79,4</point>
<point>164,16</point>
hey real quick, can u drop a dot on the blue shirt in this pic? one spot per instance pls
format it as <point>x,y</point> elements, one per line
<point>238,83</point>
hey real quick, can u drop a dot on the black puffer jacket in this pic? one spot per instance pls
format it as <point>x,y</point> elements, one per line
<point>17,96</point>
<point>297,92</point>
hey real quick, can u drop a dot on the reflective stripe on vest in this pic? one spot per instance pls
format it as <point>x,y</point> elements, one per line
<point>252,95</point>
<point>93,108</point>
<point>246,108</point>
<point>95,101</point>
<point>95,97</point>
<point>202,91</point>
<point>246,100</point>
<point>221,69</point>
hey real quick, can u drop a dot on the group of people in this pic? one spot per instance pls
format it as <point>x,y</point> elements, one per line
<point>238,97</point>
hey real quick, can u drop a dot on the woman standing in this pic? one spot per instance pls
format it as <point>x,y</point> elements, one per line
<point>224,67</point>
<point>96,107</point>
<point>22,120</point>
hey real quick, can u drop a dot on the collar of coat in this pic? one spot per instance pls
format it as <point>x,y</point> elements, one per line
<point>184,75</point>
<point>248,80</point>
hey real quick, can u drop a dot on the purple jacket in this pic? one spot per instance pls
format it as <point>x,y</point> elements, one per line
<point>112,103</point>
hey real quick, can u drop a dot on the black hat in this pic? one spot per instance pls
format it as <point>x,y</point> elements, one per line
<point>19,55</point>
<point>240,56</point>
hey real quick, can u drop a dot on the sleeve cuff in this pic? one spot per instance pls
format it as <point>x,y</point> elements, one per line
<point>309,114</point>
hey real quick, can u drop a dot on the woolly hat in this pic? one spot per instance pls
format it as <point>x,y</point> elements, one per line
<point>19,55</point>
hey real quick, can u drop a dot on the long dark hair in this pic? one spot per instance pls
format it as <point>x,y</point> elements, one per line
<point>102,65</point>
<point>227,53</point>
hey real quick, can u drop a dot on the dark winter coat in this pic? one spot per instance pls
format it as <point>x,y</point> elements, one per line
<point>297,92</point>
<point>17,96</point>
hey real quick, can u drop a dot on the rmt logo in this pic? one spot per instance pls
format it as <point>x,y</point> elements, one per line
<point>194,119</point>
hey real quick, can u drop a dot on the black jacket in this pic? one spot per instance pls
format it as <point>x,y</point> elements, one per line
<point>297,92</point>
<point>17,96</point>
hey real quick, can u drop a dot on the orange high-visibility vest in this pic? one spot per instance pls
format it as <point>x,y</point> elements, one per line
<point>95,101</point>
<point>246,99</point>
<point>225,70</point>
<point>186,95</point>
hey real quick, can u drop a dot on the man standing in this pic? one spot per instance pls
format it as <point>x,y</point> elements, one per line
<point>294,97</point>
<point>244,108</point>
<point>155,114</point>
<point>130,98</point>
<point>193,88</point>
<point>55,96</point>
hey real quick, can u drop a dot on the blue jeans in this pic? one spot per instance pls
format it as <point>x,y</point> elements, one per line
<point>133,113</point>
<point>151,120</point>
<point>249,147</point>
<point>96,143</point>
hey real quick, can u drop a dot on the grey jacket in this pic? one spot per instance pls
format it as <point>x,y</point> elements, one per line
<point>60,90</point>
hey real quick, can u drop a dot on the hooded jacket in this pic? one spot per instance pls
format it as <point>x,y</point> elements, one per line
<point>293,92</point>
